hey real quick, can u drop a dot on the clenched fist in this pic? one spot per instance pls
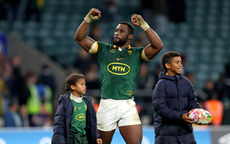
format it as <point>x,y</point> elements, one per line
<point>94,14</point>
<point>137,20</point>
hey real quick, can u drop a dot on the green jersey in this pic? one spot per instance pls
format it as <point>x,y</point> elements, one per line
<point>118,69</point>
<point>78,122</point>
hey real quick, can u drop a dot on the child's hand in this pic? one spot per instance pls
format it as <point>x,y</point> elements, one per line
<point>99,141</point>
<point>188,119</point>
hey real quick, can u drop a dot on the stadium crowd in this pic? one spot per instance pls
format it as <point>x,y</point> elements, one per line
<point>27,99</point>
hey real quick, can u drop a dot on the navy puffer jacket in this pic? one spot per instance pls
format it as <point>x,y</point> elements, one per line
<point>63,117</point>
<point>173,96</point>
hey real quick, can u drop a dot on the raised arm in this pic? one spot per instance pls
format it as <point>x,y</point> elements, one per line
<point>81,36</point>
<point>156,44</point>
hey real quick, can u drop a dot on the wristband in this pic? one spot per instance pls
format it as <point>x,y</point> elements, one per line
<point>143,25</point>
<point>89,18</point>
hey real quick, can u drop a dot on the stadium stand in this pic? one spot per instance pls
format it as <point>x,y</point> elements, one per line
<point>203,38</point>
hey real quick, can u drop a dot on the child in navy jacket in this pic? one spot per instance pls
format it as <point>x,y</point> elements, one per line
<point>173,97</point>
<point>75,119</point>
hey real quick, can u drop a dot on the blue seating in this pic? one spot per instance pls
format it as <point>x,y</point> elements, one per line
<point>203,38</point>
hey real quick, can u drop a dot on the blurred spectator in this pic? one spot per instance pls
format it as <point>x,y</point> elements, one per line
<point>184,63</point>
<point>216,109</point>
<point>95,103</point>
<point>227,80</point>
<point>92,77</point>
<point>39,100</point>
<point>156,73</point>
<point>43,118</point>
<point>96,32</point>
<point>221,87</point>
<point>11,116</point>
<point>16,82</point>
<point>45,97</point>
<point>207,92</point>
<point>140,40</point>
<point>24,116</point>
<point>46,77</point>
<point>5,67</point>
<point>3,91</point>
<point>144,78</point>
<point>34,10</point>
<point>5,72</point>
<point>227,69</point>
<point>49,121</point>
<point>83,61</point>
<point>209,89</point>
<point>226,98</point>
<point>33,103</point>
<point>191,77</point>
<point>201,95</point>
<point>144,81</point>
<point>2,62</point>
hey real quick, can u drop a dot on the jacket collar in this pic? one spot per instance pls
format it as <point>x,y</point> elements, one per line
<point>76,99</point>
<point>163,75</point>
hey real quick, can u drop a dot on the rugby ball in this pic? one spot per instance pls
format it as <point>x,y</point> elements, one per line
<point>201,116</point>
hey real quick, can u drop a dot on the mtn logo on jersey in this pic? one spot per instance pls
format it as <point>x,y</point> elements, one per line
<point>117,68</point>
<point>80,117</point>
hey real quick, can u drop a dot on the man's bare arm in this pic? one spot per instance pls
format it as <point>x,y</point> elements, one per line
<point>81,36</point>
<point>156,44</point>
